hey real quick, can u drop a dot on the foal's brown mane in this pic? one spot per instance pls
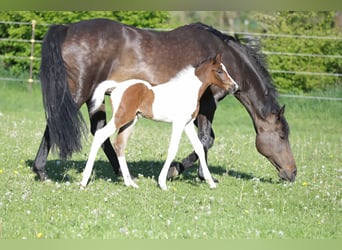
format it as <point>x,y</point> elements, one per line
<point>209,58</point>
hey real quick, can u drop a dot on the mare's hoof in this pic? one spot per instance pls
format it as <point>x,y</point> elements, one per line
<point>202,179</point>
<point>47,181</point>
<point>41,174</point>
<point>175,169</point>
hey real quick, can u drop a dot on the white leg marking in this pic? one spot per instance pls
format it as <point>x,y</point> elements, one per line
<point>100,136</point>
<point>125,172</point>
<point>198,147</point>
<point>120,150</point>
<point>177,129</point>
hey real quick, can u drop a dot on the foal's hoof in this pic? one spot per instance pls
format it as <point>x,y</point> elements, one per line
<point>212,185</point>
<point>133,184</point>
<point>82,187</point>
<point>162,185</point>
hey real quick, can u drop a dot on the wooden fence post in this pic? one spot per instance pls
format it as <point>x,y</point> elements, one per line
<point>30,80</point>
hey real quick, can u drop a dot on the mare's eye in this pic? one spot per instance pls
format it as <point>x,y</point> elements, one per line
<point>219,71</point>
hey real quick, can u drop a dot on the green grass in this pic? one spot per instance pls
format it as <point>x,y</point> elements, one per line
<point>249,201</point>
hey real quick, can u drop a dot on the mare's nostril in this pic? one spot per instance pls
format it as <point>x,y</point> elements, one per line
<point>294,174</point>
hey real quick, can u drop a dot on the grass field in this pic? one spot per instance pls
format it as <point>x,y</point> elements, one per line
<point>249,202</point>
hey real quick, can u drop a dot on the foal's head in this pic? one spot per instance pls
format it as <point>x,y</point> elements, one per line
<point>212,71</point>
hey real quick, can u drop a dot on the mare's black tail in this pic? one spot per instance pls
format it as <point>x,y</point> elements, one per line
<point>64,120</point>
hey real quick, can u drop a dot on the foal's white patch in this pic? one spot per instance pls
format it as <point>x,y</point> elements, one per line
<point>177,97</point>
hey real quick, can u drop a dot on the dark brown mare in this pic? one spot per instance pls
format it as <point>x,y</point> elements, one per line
<point>78,56</point>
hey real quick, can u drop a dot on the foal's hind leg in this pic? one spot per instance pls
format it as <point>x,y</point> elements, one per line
<point>98,121</point>
<point>120,146</point>
<point>100,136</point>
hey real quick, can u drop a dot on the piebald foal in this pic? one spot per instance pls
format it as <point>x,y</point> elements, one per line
<point>176,101</point>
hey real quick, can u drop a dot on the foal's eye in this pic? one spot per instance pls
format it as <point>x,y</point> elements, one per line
<point>219,71</point>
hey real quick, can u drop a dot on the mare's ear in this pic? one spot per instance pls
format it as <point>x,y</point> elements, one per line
<point>281,112</point>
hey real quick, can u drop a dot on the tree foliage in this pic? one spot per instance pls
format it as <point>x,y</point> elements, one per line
<point>298,24</point>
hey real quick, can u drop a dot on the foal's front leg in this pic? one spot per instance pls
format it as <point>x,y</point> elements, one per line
<point>208,104</point>
<point>100,136</point>
<point>177,130</point>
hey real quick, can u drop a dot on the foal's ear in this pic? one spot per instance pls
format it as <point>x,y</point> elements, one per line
<point>218,58</point>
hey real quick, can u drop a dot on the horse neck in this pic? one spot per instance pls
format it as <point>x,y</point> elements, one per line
<point>256,93</point>
<point>258,107</point>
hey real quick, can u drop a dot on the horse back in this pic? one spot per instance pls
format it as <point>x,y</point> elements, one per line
<point>100,49</point>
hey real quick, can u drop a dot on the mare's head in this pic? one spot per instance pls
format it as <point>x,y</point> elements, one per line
<point>212,71</point>
<point>259,96</point>
<point>272,141</point>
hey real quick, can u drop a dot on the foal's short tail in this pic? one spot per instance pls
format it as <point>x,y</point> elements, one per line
<point>99,93</point>
<point>64,121</point>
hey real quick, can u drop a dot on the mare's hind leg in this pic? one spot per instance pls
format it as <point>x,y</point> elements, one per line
<point>100,136</point>
<point>42,154</point>
<point>120,146</point>
<point>98,121</point>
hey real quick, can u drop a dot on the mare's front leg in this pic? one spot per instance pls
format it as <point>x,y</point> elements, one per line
<point>100,136</point>
<point>206,136</point>
<point>98,121</point>
<point>42,154</point>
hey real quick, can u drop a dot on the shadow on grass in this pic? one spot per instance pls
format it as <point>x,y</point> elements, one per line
<point>248,176</point>
<point>58,171</point>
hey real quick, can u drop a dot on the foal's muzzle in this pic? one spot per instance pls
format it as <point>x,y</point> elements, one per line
<point>232,89</point>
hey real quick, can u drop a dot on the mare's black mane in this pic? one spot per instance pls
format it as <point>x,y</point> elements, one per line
<point>258,61</point>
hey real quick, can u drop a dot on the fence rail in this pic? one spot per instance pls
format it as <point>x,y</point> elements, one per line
<point>32,42</point>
